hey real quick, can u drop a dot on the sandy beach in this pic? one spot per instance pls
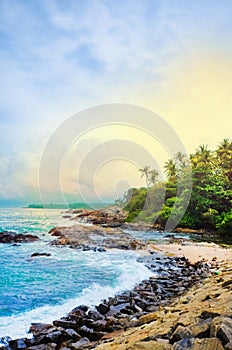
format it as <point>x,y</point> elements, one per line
<point>196,251</point>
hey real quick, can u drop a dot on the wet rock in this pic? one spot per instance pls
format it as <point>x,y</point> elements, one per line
<point>77,313</point>
<point>84,308</point>
<point>102,308</point>
<point>40,254</point>
<point>40,328</point>
<point>4,341</point>
<point>12,237</point>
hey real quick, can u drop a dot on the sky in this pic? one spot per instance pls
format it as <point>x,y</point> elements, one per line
<point>61,58</point>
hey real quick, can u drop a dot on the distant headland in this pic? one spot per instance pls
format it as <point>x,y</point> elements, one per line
<point>67,206</point>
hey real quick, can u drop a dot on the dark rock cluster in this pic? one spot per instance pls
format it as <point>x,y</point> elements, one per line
<point>13,237</point>
<point>85,325</point>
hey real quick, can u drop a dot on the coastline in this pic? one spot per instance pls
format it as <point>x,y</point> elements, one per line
<point>201,319</point>
<point>196,251</point>
<point>91,328</point>
<point>176,267</point>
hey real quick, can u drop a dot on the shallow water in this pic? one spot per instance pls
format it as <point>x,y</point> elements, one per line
<point>43,288</point>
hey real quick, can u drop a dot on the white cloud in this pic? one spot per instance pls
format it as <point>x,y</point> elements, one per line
<point>57,58</point>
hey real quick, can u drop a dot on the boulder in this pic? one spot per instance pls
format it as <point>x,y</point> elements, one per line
<point>202,329</point>
<point>180,333</point>
<point>90,333</point>
<point>65,324</point>
<point>72,334</point>
<point>13,237</point>
<point>40,254</point>
<point>103,308</point>
<point>80,343</point>
<point>221,328</point>
<point>41,328</point>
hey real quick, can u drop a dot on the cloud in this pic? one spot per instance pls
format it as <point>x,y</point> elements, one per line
<point>57,59</point>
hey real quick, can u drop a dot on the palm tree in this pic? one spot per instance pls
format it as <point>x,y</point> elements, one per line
<point>181,159</point>
<point>170,169</point>
<point>203,157</point>
<point>145,172</point>
<point>224,155</point>
<point>153,176</point>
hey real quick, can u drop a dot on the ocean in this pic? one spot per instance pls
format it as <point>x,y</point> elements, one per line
<point>45,288</point>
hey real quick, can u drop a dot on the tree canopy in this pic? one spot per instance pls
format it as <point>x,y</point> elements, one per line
<point>210,203</point>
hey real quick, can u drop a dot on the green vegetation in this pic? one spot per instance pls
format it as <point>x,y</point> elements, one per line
<point>196,194</point>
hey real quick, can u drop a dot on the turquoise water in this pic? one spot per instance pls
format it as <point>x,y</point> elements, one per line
<point>43,288</point>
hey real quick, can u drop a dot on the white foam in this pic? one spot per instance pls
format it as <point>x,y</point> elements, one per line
<point>17,326</point>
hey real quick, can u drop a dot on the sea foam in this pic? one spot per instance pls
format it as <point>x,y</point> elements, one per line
<point>17,326</point>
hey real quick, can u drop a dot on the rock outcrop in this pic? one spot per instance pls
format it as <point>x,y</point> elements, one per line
<point>13,237</point>
<point>109,217</point>
<point>94,237</point>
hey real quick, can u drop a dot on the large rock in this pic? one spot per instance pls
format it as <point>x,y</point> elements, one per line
<point>79,344</point>
<point>40,254</point>
<point>222,328</point>
<point>13,237</point>
<point>94,237</point>
<point>41,328</point>
<point>109,217</point>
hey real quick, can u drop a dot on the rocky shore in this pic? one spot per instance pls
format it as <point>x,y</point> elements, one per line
<point>186,304</point>
<point>159,313</point>
<point>94,237</point>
